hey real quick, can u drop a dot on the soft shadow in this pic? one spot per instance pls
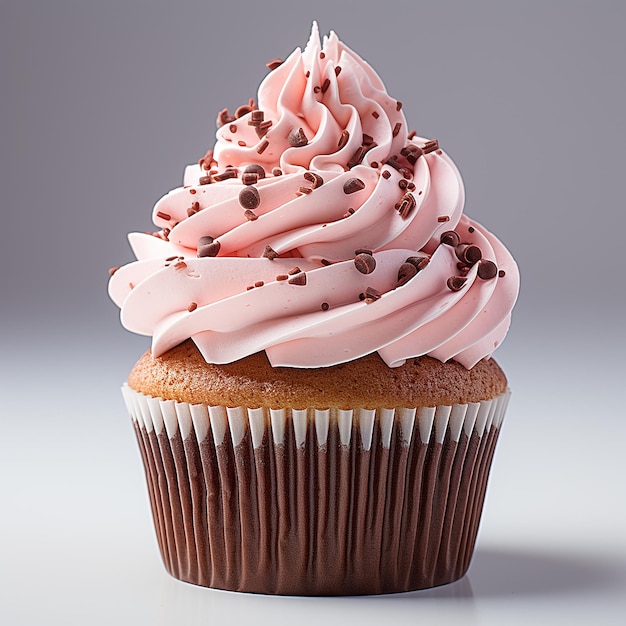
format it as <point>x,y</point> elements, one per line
<point>498,573</point>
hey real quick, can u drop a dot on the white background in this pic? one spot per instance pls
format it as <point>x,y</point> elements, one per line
<point>103,105</point>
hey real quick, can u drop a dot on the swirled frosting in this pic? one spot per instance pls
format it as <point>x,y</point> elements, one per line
<point>319,229</point>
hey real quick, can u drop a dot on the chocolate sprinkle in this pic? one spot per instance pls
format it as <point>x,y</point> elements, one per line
<point>204,180</point>
<point>450,238</point>
<point>164,216</point>
<point>371,295</point>
<point>193,209</point>
<point>362,251</point>
<point>487,269</point>
<point>303,191</point>
<point>357,157</point>
<point>270,253</point>
<point>353,185</point>
<point>375,115</point>
<point>443,218</point>
<point>273,64</point>
<point>250,215</point>
<point>277,172</point>
<point>294,270</point>
<point>386,174</point>
<point>249,197</point>
<point>314,178</point>
<point>225,175</point>
<point>398,105</point>
<point>471,229</point>
<point>262,147</point>
<point>112,270</point>
<point>249,178</point>
<point>233,128</point>
<point>192,307</point>
<point>430,146</point>
<point>456,283</point>
<point>298,279</point>
<point>259,283</point>
<point>297,138</point>
<point>337,70</point>
<point>406,272</point>
<point>325,306</point>
<point>209,249</point>
<point>282,277</point>
<point>468,253</point>
<point>365,263</point>
<point>420,262</point>
<point>325,85</point>
<point>396,129</point>
<point>501,273</point>
<point>343,140</point>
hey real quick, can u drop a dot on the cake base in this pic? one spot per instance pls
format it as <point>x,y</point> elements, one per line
<point>316,502</point>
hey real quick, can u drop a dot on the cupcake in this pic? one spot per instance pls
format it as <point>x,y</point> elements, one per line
<point>319,408</point>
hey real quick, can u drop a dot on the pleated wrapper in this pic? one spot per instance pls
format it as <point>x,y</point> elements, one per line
<point>316,501</point>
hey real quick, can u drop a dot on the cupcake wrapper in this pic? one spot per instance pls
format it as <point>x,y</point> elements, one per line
<point>316,502</point>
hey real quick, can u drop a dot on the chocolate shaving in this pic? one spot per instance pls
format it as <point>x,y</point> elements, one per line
<point>393,162</point>
<point>224,117</point>
<point>204,180</point>
<point>270,253</point>
<point>302,191</point>
<point>249,197</point>
<point>353,185</point>
<point>181,265</point>
<point>206,160</point>
<point>244,109</point>
<point>294,270</point>
<point>362,251</point>
<point>193,209</point>
<point>315,179</point>
<point>256,117</point>
<point>297,138</point>
<point>450,238</point>
<point>406,205</point>
<point>487,269</point>
<point>210,249</point>
<point>262,128</point>
<point>411,153</point>
<point>298,279</point>
<point>365,263</point>
<point>456,283</point>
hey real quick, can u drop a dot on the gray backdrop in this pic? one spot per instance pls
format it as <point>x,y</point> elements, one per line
<point>103,103</point>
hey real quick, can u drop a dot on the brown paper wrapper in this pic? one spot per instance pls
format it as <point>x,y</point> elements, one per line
<point>316,502</point>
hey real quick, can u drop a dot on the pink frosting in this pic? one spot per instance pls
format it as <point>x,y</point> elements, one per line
<point>350,180</point>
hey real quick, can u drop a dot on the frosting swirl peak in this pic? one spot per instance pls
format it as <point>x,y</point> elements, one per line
<point>319,230</point>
